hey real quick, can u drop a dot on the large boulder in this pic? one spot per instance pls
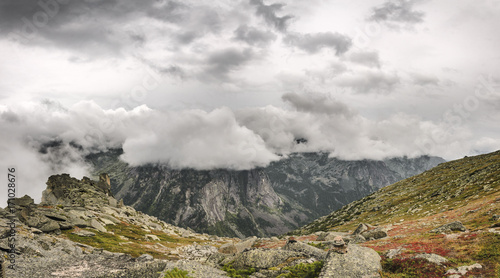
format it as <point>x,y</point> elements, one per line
<point>357,262</point>
<point>264,258</point>
<point>306,249</point>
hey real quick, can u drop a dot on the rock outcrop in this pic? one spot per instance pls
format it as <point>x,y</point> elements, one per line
<point>356,262</point>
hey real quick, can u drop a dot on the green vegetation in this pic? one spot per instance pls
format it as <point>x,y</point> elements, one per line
<point>129,239</point>
<point>303,270</point>
<point>176,273</point>
<point>238,273</point>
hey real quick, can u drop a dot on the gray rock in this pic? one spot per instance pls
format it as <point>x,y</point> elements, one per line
<point>450,227</point>
<point>228,248</point>
<point>392,253</point>
<point>83,233</point>
<point>462,270</point>
<point>329,236</point>
<point>360,229</point>
<point>144,258</point>
<point>376,233</point>
<point>246,244</point>
<point>432,258</point>
<point>306,249</point>
<point>264,258</point>
<point>96,225</point>
<point>357,262</point>
<point>24,201</point>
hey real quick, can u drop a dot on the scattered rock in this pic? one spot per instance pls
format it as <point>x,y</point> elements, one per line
<point>357,262</point>
<point>450,227</point>
<point>432,258</point>
<point>392,253</point>
<point>462,270</point>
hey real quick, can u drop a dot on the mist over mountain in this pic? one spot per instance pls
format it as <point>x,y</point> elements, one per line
<point>263,201</point>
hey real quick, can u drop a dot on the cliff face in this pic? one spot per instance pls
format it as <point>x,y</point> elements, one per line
<point>264,201</point>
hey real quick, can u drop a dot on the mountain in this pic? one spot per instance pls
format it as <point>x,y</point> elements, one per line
<point>261,202</point>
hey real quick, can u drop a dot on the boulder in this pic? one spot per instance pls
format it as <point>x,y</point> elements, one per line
<point>357,262</point>
<point>24,201</point>
<point>329,236</point>
<point>246,244</point>
<point>264,258</point>
<point>228,248</point>
<point>432,258</point>
<point>450,227</point>
<point>306,249</point>
<point>374,233</point>
<point>462,270</point>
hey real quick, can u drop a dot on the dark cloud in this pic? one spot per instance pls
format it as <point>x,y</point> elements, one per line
<point>268,12</point>
<point>397,11</point>
<point>312,43</point>
<point>317,103</point>
<point>93,27</point>
<point>221,63</point>
<point>253,36</point>
<point>366,58</point>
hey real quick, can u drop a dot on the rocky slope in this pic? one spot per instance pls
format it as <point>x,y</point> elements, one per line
<point>451,211</point>
<point>262,202</point>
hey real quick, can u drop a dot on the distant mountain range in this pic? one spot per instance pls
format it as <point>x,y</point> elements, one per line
<point>263,201</point>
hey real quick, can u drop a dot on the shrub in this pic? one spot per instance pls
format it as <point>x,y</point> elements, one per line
<point>176,273</point>
<point>411,267</point>
<point>237,273</point>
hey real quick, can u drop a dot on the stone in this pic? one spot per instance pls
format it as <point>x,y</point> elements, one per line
<point>306,249</point>
<point>360,229</point>
<point>450,227</point>
<point>96,225</point>
<point>376,233</point>
<point>462,270</point>
<point>357,262</point>
<point>392,253</point>
<point>246,244</point>
<point>339,245</point>
<point>228,248</point>
<point>151,237</point>
<point>83,233</point>
<point>432,258</point>
<point>329,236</point>
<point>264,258</point>
<point>24,201</point>
<point>144,258</point>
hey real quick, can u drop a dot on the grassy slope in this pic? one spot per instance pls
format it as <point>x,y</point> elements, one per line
<point>467,190</point>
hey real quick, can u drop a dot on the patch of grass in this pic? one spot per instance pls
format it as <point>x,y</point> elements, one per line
<point>176,273</point>
<point>303,270</point>
<point>320,245</point>
<point>238,273</point>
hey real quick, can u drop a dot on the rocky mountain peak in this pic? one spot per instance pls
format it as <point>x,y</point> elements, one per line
<point>65,190</point>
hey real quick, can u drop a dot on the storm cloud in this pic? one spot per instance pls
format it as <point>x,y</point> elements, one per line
<point>313,43</point>
<point>269,13</point>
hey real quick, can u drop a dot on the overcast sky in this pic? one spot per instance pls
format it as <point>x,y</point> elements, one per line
<point>234,84</point>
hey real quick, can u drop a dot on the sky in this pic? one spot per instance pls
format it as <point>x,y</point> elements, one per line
<point>239,84</point>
